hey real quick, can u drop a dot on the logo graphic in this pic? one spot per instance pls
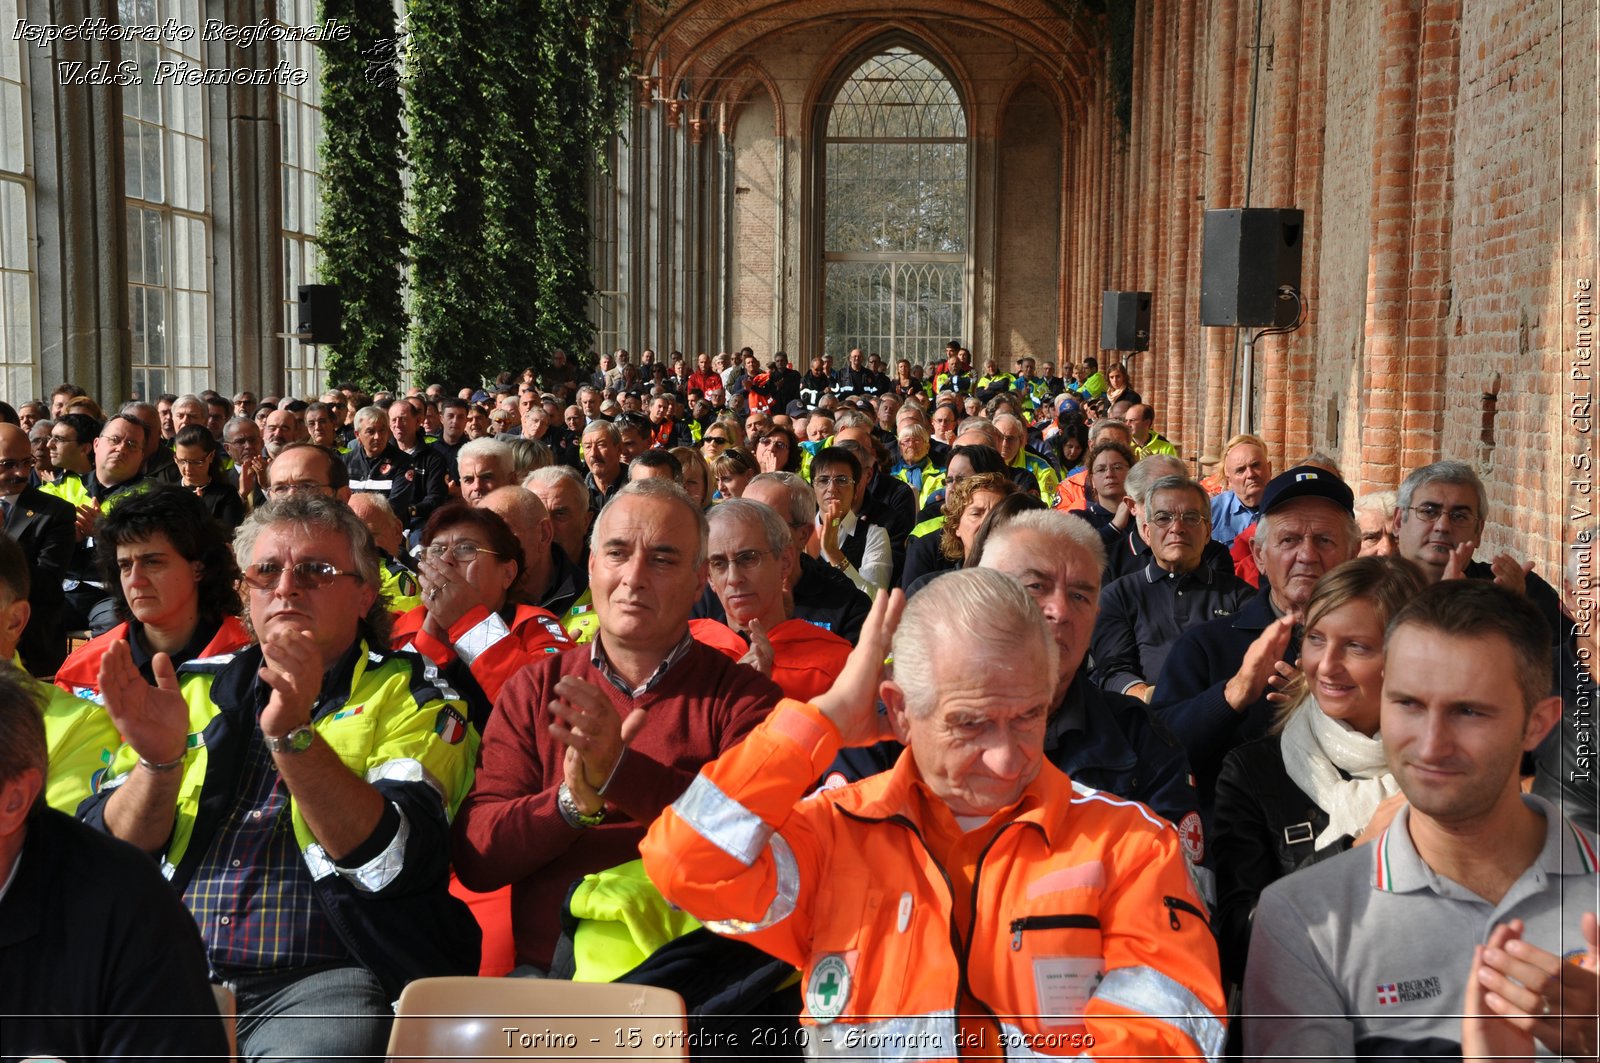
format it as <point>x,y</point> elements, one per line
<point>828,988</point>
<point>450,726</point>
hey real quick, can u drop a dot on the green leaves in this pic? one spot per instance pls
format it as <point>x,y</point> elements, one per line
<point>505,141</point>
<point>362,235</point>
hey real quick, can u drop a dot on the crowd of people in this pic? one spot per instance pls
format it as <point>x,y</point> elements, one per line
<point>957,690</point>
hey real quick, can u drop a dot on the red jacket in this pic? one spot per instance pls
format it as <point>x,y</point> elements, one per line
<point>491,649</point>
<point>805,658</point>
<point>1083,932</point>
<point>80,673</point>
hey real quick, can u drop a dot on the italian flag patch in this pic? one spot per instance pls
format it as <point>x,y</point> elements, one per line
<point>450,726</point>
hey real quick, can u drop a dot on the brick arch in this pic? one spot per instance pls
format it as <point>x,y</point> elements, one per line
<point>704,35</point>
<point>738,82</point>
<point>853,48</point>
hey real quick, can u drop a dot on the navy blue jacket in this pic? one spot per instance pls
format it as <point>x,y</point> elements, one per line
<point>1188,697</point>
<point>1144,613</point>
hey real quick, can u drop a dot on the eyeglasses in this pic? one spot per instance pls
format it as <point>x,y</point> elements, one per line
<point>720,441</point>
<point>463,551</point>
<point>306,576</point>
<point>190,463</point>
<point>744,561</point>
<point>16,464</point>
<point>833,481</point>
<point>115,442</point>
<point>1460,516</point>
<point>284,490</point>
<point>1191,518</point>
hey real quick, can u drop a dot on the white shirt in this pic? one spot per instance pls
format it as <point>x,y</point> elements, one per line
<point>877,560</point>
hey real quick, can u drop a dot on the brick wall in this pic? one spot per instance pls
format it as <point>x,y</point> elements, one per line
<point>1028,236</point>
<point>1442,150</point>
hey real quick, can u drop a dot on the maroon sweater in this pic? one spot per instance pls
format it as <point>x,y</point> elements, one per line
<point>509,829</point>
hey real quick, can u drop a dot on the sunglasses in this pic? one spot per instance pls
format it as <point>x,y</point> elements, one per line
<point>306,576</point>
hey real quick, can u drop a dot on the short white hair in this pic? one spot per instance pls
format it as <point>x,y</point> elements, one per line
<point>490,449</point>
<point>987,611</point>
<point>1065,531</point>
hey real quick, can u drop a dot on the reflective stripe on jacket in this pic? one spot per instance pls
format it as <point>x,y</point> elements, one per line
<point>1085,934</point>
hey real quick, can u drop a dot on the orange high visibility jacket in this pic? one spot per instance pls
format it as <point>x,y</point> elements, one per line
<point>490,648</point>
<point>1072,492</point>
<point>805,658</point>
<point>79,674</point>
<point>1086,934</point>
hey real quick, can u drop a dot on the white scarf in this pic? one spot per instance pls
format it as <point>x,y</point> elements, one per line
<point>1315,748</point>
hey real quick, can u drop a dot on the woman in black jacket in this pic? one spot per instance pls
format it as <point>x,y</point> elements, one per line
<point>1319,784</point>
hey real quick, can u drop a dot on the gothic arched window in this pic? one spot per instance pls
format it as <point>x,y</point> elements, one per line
<point>894,210</point>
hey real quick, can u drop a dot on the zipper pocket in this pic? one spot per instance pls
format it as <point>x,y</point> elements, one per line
<point>1049,922</point>
<point>1178,904</point>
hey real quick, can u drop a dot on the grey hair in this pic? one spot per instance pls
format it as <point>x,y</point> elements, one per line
<point>189,400</point>
<point>851,419</point>
<point>236,422</point>
<point>368,414</point>
<point>1442,472</point>
<point>1147,470</point>
<point>1107,424</point>
<point>1176,483</point>
<point>917,432</point>
<point>490,449</point>
<point>1068,532</point>
<point>981,425</point>
<point>771,521</point>
<point>312,513</point>
<point>1007,417</point>
<point>551,475</point>
<point>605,428</point>
<point>1378,502</point>
<point>664,491</point>
<point>989,608</point>
<point>802,499</point>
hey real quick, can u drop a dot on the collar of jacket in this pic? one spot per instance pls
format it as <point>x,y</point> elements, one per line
<point>1085,715</point>
<point>238,683</point>
<point>1045,802</point>
<point>1257,613</point>
<point>1154,573</point>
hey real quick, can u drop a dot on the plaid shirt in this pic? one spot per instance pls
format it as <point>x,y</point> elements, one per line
<point>252,894</point>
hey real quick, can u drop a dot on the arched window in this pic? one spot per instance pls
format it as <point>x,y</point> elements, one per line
<point>894,209</point>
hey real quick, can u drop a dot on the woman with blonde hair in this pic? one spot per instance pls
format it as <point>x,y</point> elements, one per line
<point>1319,784</point>
<point>696,475</point>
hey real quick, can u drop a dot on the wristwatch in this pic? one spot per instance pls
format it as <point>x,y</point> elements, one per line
<point>296,741</point>
<point>575,816</point>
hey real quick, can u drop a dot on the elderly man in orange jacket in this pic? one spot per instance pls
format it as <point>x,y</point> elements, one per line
<point>970,900</point>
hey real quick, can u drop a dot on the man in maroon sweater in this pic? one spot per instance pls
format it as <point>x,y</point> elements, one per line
<point>586,748</point>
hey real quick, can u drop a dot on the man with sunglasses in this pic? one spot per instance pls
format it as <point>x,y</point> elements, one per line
<point>314,773</point>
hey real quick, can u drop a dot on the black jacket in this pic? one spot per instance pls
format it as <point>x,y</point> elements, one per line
<point>414,483</point>
<point>1266,828</point>
<point>42,525</point>
<point>98,954</point>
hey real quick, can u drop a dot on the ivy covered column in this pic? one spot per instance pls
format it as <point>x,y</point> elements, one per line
<point>363,236</point>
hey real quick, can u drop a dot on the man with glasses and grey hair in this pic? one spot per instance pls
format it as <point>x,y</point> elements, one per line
<point>753,562</point>
<point>1439,519</point>
<point>321,785</point>
<point>1143,613</point>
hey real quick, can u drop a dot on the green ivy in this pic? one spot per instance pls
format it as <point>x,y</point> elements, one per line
<point>511,105</point>
<point>362,231</point>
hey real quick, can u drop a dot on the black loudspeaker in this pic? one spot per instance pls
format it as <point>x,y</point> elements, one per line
<point>1249,254</point>
<point>321,314</point>
<point>1125,321</point>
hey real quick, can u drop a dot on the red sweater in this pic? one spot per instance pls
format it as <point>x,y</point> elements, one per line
<point>509,829</point>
